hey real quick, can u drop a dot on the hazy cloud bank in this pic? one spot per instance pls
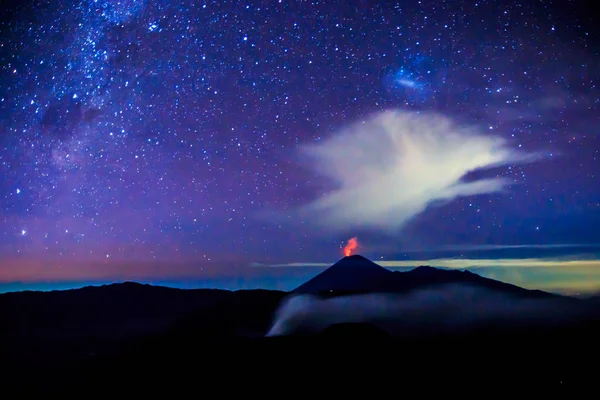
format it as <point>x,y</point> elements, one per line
<point>466,263</point>
<point>440,309</point>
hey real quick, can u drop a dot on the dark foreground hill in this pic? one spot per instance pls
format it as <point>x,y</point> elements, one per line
<point>340,361</point>
<point>80,324</point>
<point>143,337</point>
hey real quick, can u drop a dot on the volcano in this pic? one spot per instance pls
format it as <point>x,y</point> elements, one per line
<point>357,274</point>
<point>350,274</point>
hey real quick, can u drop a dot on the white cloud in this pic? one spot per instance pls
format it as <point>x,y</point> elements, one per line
<point>388,168</point>
<point>440,309</point>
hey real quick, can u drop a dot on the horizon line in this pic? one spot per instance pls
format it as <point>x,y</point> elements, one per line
<point>460,263</point>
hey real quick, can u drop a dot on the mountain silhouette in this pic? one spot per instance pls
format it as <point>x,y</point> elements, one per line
<point>95,336</point>
<point>357,274</point>
<point>350,274</point>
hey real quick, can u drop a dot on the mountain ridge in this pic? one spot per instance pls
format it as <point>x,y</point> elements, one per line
<point>357,274</point>
<point>93,331</point>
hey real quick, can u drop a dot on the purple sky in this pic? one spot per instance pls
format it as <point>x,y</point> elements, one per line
<point>173,139</point>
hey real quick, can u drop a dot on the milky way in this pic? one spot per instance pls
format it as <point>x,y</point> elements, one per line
<point>168,130</point>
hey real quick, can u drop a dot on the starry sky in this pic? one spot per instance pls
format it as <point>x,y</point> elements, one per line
<point>166,140</point>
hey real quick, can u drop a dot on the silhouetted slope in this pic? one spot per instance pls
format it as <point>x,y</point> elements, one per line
<point>425,275</point>
<point>245,313</point>
<point>350,274</point>
<point>356,274</point>
<point>116,301</point>
<point>62,326</point>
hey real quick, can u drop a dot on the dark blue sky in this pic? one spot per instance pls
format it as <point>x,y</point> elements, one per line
<point>173,133</point>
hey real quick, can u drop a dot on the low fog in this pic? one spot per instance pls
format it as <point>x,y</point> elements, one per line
<point>389,167</point>
<point>441,309</point>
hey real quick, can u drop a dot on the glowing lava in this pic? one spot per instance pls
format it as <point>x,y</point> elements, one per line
<point>350,247</point>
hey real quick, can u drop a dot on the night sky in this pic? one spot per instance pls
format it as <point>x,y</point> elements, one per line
<point>220,143</point>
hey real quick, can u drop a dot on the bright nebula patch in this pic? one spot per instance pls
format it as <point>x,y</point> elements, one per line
<point>417,79</point>
<point>407,86</point>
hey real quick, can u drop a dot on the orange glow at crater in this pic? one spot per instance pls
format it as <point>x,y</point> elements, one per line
<point>350,247</point>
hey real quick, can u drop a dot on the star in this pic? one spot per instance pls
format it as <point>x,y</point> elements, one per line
<point>159,131</point>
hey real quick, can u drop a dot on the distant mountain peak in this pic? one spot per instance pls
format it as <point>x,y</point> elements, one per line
<point>351,273</point>
<point>356,257</point>
<point>357,264</point>
<point>356,260</point>
<point>424,268</point>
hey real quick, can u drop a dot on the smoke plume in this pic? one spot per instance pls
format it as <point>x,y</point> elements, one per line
<point>442,309</point>
<point>389,167</point>
<point>350,247</point>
